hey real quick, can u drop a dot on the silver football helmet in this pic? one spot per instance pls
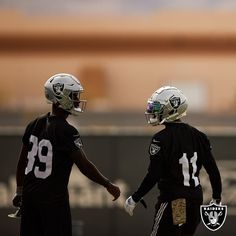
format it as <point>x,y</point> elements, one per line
<point>166,104</point>
<point>64,90</point>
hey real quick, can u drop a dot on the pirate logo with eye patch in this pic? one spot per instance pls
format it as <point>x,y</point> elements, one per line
<point>58,88</point>
<point>213,216</point>
<point>175,102</point>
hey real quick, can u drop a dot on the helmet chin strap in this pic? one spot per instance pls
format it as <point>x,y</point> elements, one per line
<point>160,123</point>
<point>171,116</point>
<point>168,119</point>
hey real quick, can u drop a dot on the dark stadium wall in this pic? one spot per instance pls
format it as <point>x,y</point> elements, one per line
<point>124,159</point>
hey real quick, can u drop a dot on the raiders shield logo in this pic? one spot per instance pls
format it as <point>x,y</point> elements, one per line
<point>175,102</point>
<point>154,149</point>
<point>58,88</point>
<point>213,216</point>
<point>78,142</point>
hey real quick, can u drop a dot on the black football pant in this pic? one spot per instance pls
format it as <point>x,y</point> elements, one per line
<point>45,220</point>
<point>163,221</point>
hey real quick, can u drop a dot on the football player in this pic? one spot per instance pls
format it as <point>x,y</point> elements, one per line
<point>50,147</point>
<point>177,153</point>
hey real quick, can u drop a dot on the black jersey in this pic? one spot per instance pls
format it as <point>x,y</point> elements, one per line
<point>50,141</point>
<point>177,153</point>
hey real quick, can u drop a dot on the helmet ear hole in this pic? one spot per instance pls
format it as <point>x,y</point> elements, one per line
<point>70,95</point>
<point>172,112</point>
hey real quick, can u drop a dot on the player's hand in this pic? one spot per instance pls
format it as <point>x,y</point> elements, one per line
<point>215,201</point>
<point>113,190</point>
<point>17,200</point>
<point>129,206</point>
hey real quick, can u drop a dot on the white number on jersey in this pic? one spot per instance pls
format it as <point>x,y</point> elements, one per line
<point>37,151</point>
<point>185,169</point>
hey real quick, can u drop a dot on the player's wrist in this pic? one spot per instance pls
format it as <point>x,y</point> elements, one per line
<point>218,198</point>
<point>136,198</point>
<point>19,190</point>
<point>107,183</point>
<point>131,201</point>
<point>216,201</point>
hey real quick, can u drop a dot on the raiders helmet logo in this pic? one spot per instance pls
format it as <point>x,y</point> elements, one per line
<point>58,88</point>
<point>175,102</point>
<point>213,216</point>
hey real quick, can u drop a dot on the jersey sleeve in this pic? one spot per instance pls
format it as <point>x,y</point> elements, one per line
<point>72,140</point>
<point>155,147</point>
<point>154,170</point>
<point>150,179</point>
<point>212,170</point>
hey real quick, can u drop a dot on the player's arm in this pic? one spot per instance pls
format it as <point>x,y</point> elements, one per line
<point>214,176</point>
<point>20,173</point>
<point>150,179</point>
<point>146,185</point>
<point>148,182</point>
<point>90,170</point>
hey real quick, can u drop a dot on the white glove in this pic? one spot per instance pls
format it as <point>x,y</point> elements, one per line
<point>215,201</point>
<point>129,206</point>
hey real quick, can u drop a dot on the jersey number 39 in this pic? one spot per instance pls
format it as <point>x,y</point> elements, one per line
<point>44,157</point>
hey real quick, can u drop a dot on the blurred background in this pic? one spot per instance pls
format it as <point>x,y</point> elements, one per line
<point>121,51</point>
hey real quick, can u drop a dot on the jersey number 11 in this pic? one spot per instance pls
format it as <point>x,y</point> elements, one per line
<point>185,162</point>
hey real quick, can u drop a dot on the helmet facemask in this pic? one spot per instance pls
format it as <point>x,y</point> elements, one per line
<point>71,102</point>
<point>153,113</point>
